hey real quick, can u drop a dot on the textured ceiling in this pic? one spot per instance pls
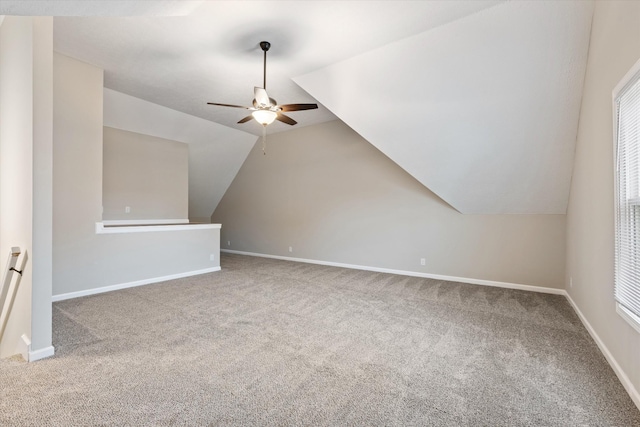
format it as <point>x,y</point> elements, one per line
<point>483,111</point>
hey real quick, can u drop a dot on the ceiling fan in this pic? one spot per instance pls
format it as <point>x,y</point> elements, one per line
<point>265,109</point>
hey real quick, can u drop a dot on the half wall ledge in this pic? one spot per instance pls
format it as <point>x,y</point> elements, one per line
<point>110,228</point>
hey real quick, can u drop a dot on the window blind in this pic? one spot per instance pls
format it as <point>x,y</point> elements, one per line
<point>627,253</point>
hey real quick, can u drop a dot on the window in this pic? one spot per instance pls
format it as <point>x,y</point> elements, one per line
<point>626,100</point>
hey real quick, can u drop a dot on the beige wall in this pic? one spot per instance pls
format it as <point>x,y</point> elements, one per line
<point>332,196</point>
<point>615,47</point>
<point>84,260</point>
<point>216,152</point>
<point>77,171</point>
<point>148,174</point>
<point>41,323</point>
<point>16,150</point>
<point>26,49</point>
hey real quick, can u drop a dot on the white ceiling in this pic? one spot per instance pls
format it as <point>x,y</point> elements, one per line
<point>479,100</point>
<point>213,53</point>
<point>97,8</point>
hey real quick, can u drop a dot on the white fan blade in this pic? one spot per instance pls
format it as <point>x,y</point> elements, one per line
<point>261,96</point>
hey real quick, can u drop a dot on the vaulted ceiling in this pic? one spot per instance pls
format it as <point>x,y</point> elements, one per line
<point>478,100</point>
<point>483,111</point>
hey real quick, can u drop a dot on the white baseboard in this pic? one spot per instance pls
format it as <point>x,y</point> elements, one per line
<point>24,346</point>
<point>61,297</point>
<point>24,349</point>
<point>41,354</point>
<point>482,282</point>
<point>622,376</point>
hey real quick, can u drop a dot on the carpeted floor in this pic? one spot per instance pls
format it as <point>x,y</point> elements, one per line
<point>266,342</point>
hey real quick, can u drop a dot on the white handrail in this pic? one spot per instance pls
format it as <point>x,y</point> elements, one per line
<point>9,272</point>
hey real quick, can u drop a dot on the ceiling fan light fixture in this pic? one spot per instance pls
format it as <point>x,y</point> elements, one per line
<point>264,117</point>
<point>265,109</point>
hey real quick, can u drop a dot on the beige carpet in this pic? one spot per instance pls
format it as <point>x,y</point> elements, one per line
<point>267,342</point>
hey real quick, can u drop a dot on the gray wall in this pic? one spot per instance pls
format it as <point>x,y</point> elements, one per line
<point>148,174</point>
<point>85,260</point>
<point>332,196</point>
<point>615,47</point>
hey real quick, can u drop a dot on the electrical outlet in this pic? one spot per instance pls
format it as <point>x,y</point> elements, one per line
<point>571,282</point>
<point>127,209</point>
<point>228,242</point>
<point>290,249</point>
<point>212,257</point>
<point>423,261</point>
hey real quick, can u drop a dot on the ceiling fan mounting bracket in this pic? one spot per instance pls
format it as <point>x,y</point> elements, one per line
<point>265,46</point>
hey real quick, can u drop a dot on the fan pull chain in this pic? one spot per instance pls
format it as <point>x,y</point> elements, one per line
<point>264,140</point>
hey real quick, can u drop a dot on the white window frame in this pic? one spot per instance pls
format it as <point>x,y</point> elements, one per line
<point>623,311</point>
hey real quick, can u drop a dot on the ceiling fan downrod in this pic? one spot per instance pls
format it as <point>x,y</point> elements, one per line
<point>265,47</point>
